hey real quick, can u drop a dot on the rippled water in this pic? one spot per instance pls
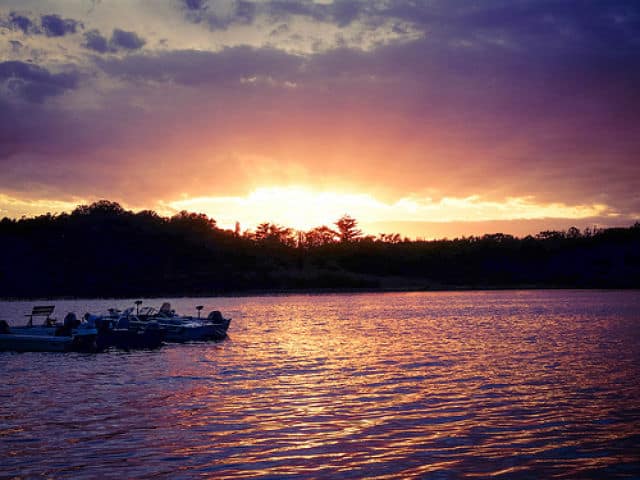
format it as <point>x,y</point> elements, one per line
<point>532,384</point>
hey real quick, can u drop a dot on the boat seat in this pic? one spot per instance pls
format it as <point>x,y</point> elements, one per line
<point>41,311</point>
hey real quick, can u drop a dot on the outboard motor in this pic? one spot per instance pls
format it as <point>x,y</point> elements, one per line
<point>100,323</point>
<point>215,317</point>
<point>70,321</point>
<point>4,326</point>
<point>91,320</point>
<point>165,309</point>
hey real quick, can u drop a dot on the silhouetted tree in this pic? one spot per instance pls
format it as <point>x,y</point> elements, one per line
<point>320,236</point>
<point>348,229</point>
<point>573,232</point>
<point>101,207</point>
<point>389,238</point>
<point>550,235</point>
<point>273,233</point>
<point>195,221</point>
<point>104,250</point>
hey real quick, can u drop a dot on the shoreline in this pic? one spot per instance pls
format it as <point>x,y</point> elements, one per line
<point>325,291</point>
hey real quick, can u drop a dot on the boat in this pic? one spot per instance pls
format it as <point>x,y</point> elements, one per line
<point>70,336</point>
<point>181,328</point>
<point>119,331</point>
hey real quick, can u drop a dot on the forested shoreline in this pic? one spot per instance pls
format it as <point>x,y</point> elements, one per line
<point>103,250</point>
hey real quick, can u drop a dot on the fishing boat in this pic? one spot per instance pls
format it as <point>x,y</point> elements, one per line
<point>71,335</point>
<point>119,331</point>
<point>181,328</point>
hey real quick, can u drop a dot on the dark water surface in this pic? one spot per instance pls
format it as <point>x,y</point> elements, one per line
<point>531,384</point>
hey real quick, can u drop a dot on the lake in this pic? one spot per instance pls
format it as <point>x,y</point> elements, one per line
<point>507,384</point>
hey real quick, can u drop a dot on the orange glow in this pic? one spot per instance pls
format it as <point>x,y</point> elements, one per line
<point>18,207</point>
<point>303,208</point>
<point>296,207</point>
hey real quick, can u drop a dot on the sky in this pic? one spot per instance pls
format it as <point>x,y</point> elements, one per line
<point>433,118</point>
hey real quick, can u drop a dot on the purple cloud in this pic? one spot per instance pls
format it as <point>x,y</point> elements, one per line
<point>56,26</point>
<point>121,39</point>
<point>195,4</point>
<point>191,67</point>
<point>497,98</point>
<point>15,45</point>
<point>242,12</point>
<point>21,22</point>
<point>93,40</point>
<point>50,25</point>
<point>34,83</point>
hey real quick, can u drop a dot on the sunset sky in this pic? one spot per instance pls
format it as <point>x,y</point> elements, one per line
<point>430,118</point>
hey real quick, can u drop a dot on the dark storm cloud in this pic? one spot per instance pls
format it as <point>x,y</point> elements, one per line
<point>56,26</point>
<point>34,83</point>
<point>121,39</point>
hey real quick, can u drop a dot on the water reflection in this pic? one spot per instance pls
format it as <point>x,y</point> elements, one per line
<point>505,384</point>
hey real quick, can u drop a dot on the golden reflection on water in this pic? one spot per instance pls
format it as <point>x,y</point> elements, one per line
<point>486,384</point>
<point>343,389</point>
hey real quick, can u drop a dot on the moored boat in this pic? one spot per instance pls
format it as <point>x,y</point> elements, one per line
<point>180,328</point>
<point>119,330</point>
<point>72,335</point>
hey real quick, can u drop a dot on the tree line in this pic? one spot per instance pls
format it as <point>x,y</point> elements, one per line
<point>104,250</point>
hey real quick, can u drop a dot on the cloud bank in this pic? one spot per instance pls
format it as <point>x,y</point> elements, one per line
<point>393,99</point>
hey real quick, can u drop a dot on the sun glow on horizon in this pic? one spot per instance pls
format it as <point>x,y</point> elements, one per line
<point>303,208</point>
<point>296,207</point>
<point>18,207</point>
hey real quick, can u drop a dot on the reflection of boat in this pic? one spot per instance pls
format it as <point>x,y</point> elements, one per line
<point>179,328</point>
<point>117,330</point>
<point>72,335</point>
